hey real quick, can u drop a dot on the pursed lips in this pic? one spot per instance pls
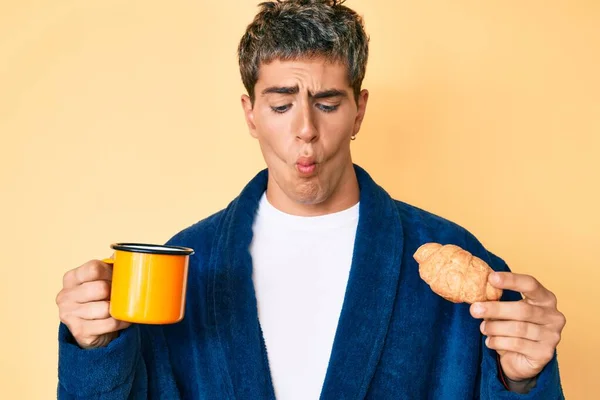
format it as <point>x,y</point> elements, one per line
<point>306,165</point>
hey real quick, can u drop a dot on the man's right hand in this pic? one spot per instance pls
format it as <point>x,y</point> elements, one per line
<point>83,305</point>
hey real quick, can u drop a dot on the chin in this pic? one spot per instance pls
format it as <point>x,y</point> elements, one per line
<point>308,201</point>
<point>308,193</point>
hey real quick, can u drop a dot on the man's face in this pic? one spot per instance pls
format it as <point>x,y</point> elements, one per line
<point>303,116</point>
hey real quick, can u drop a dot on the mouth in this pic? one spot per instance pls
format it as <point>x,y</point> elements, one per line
<point>306,166</point>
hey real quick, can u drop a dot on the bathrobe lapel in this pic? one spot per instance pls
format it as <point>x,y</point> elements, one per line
<point>366,310</point>
<point>231,296</point>
<point>370,294</point>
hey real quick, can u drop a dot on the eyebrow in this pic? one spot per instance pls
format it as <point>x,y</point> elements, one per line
<point>330,93</point>
<point>281,90</point>
<point>294,90</point>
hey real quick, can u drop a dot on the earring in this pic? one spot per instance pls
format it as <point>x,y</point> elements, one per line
<point>353,137</point>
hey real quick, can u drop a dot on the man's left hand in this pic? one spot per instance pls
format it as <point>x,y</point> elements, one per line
<point>524,333</point>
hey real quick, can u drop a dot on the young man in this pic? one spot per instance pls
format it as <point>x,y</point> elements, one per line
<point>305,285</point>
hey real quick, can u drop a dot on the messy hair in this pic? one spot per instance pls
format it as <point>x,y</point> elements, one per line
<point>294,29</point>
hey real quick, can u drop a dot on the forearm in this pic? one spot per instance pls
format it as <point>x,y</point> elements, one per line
<point>106,372</point>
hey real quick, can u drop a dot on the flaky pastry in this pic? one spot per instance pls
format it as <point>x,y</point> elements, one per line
<point>455,274</point>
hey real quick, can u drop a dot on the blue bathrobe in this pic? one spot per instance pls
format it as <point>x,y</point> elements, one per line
<point>396,339</point>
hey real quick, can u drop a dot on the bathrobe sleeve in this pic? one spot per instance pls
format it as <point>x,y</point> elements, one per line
<point>135,365</point>
<point>548,384</point>
<point>116,371</point>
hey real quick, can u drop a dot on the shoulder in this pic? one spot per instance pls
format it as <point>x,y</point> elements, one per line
<point>426,225</point>
<point>199,236</point>
<point>422,226</point>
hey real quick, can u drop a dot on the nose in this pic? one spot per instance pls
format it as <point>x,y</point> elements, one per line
<point>306,129</point>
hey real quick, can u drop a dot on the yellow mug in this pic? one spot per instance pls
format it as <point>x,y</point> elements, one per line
<point>148,283</point>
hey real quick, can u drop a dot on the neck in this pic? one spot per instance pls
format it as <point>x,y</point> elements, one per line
<point>344,196</point>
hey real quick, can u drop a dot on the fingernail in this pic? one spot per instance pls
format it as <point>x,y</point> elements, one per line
<point>494,277</point>
<point>478,309</point>
<point>483,327</point>
<point>487,342</point>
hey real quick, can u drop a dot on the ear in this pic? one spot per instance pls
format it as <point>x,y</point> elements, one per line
<point>249,114</point>
<point>363,97</point>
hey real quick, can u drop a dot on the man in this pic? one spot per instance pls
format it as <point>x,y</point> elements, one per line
<point>305,285</point>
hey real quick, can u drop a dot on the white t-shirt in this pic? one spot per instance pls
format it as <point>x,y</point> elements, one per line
<point>300,271</point>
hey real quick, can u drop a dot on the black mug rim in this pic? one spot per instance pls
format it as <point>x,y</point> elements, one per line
<point>148,248</point>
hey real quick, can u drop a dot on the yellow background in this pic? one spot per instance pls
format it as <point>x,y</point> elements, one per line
<point>121,121</point>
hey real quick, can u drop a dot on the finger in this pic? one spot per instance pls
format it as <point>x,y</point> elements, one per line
<point>91,291</point>
<point>102,326</point>
<point>530,349</point>
<point>525,284</point>
<point>511,311</point>
<point>518,329</point>
<point>87,331</point>
<point>93,311</point>
<point>90,271</point>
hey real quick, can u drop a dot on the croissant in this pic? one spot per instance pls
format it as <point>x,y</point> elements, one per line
<point>455,274</point>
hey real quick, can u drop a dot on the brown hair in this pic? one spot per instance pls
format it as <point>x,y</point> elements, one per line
<point>294,29</point>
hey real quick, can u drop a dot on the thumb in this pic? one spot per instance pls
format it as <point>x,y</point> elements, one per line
<point>122,325</point>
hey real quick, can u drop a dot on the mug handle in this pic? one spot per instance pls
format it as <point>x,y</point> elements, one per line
<point>108,261</point>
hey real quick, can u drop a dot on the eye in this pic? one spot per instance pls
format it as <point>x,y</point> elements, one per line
<point>326,108</point>
<point>281,109</point>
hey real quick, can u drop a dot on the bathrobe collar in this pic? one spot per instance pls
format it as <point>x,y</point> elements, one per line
<point>365,314</point>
